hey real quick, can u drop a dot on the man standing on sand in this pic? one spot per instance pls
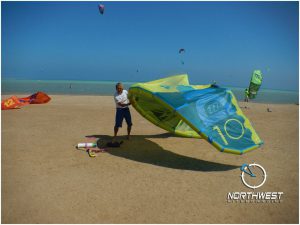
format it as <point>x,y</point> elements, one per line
<point>122,103</point>
<point>246,95</point>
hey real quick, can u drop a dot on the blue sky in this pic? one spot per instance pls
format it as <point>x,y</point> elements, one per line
<point>139,41</point>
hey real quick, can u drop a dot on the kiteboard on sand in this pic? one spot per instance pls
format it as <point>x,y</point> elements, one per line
<point>97,146</point>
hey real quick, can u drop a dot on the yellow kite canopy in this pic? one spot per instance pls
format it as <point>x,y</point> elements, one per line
<point>196,111</point>
<point>156,110</point>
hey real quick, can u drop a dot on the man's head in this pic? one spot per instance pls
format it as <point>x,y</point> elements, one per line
<point>119,88</point>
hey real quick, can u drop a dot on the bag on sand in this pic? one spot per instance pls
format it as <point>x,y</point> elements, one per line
<point>114,144</point>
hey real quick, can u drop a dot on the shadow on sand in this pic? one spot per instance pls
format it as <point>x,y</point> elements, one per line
<point>140,149</point>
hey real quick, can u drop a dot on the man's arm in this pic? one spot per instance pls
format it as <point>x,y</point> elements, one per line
<point>123,105</point>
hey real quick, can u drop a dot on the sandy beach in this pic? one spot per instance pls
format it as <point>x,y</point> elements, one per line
<point>153,178</point>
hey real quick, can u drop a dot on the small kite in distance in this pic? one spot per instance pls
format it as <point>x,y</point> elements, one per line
<point>182,50</point>
<point>101,9</point>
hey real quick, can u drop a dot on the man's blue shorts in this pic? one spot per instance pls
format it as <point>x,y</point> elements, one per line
<point>121,114</point>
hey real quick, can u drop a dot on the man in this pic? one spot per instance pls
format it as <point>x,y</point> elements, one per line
<point>246,95</point>
<point>122,103</point>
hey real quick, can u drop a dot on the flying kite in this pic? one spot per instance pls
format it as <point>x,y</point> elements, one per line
<point>101,9</point>
<point>255,83</point>
<point>197,111</point>
<point>182,50</point>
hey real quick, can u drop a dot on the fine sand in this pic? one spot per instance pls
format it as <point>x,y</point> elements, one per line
<point>153,178</point>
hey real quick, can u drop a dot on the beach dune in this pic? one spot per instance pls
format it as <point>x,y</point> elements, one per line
<point>154,177</point>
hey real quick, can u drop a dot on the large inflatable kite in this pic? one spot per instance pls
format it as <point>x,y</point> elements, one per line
<point>15,102</point>
<point>206,111</point>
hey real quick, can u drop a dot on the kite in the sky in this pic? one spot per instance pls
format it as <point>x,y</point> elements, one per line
<point>255,83</point>
<point>182,50</point>
<point>101,9</point>
<point>198,111</point>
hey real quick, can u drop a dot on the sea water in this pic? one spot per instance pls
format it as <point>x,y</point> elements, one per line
<point>107,88</point>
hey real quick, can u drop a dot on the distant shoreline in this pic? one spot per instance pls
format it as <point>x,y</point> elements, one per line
<point>107,88</point>
<point>7,95</point>
<point>124,82</point>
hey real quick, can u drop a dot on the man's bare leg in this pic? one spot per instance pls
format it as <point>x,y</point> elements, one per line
<point>128,132</point>
<point>116,129</point>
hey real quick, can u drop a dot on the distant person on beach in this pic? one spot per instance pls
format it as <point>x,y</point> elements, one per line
<point>122,110</point>
<point>246,95</point>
